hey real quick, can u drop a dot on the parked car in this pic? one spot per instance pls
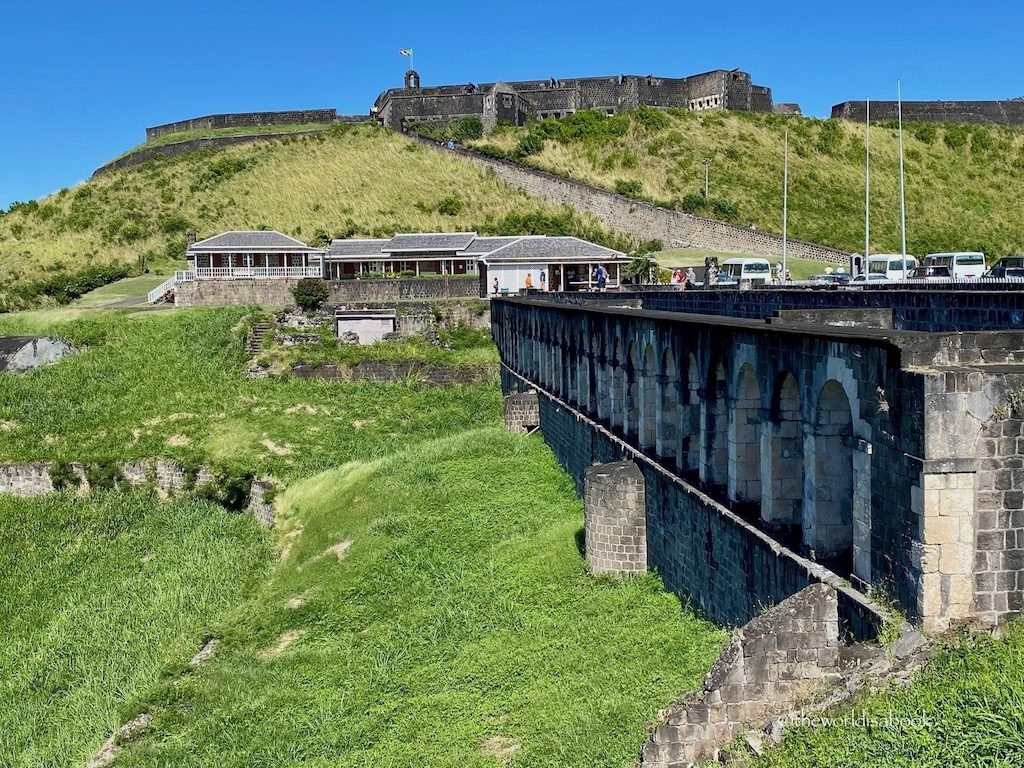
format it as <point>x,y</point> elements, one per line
<point>871,279</point>
<point>834,279</point>
<point>963,265</point>
<point>890,265</point>
<point>1007,268</point>
<point>932,273</point>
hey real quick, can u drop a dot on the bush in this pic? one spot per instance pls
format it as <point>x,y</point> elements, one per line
<point>103,475</point>
<point>310,293</point>
<point>925,132</point>
<point>955,136</point>
<point>229,488</point>
<point>723,209</point>
<point>650,119</point>
<point>63,476</point>
<point>450,206</point>
<point>467,129</point>
<point>693,202</point>
<point>531,144</point>
<point>629,187</point>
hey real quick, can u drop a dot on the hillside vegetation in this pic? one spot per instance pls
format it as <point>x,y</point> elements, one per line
<point>98,598</point>
<point>347,181</point>
<point>964,184</point>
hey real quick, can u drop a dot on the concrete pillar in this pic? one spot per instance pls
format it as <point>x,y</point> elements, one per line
<point>522,412</point>
<point>615,509</point>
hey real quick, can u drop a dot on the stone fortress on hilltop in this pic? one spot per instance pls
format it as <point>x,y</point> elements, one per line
<point>518,102</point>
<point>1004,112</point>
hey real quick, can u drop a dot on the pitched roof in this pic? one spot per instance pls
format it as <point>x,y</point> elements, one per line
<point>357,247</point>
<point>448,241</point>
<point>482,245</point>
<point>249,241</point>
<point>552,248</point>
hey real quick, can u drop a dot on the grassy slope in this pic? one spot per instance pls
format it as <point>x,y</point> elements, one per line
<point>359,181</point>
<point>968,707</point>
<point>97,599</point>
<point>152,381</point>
<point>461,613</point>
<point>967,197</point>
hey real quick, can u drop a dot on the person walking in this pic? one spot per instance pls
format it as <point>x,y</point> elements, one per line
<point>691,276</point>
<point>495,286</point>
<point>602,278</point>
<point>543,280</point>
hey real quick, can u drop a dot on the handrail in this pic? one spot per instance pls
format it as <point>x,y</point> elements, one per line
<point>161,290</point>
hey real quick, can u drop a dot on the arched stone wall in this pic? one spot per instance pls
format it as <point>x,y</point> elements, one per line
<point>744,442</point>
<point>670,406</point>
<point>782,452</point>
<point>631,404</point>
<point>828,496</point>
<point>715,429</point>
<point>648,398</point>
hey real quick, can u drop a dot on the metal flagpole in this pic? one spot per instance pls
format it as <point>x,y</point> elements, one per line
<point>903,197</point>
<point>867,182</point>
<point>785,204</point>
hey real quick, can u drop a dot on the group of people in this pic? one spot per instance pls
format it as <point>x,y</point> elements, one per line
<point>683,279</point>
<point>599,278</point>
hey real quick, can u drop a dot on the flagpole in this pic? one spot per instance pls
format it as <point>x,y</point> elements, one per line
<point>785,204</point>
<point>903,196</point>
<point>867,182</point>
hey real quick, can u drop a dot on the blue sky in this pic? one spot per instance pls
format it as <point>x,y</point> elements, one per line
<point>81,81</point>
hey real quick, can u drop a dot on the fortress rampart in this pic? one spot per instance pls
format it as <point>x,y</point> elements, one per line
<point>245,120</point>
<point>1010,112</point>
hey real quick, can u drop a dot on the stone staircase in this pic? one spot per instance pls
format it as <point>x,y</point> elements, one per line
<point>254,341</point>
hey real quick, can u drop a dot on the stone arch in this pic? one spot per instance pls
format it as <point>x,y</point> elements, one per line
<point>828,489</point>
<point>745,438</point>
<point>669,407</point>
<point>583,374</point>
<point>782,452</point>
<point>648,410</point>
<point>714,437</point>
<point>617,397</point>
<point>631,399</point>
<point>690,435</point>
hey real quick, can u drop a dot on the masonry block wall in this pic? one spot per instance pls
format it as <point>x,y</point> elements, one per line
<point>764,671</point>
<point>522,412</point>
<point>615,519</point>
<point>643,220</point>
<point>243,120</point>
<point>885,443</point>
<point>1007,112</point>
<point>278,293</point>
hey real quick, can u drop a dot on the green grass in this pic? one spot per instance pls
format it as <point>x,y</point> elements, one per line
<point>347,181</point>
<point>172,384</point>
<point>968,706</point>
<point>800,269</point>
<point>99,597</point>
<point>963,188</point>
<point>461,613</point>
<point>129,288</point>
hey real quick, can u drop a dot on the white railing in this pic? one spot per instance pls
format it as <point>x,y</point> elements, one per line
<point>161,290</point>
<point>251,273</point>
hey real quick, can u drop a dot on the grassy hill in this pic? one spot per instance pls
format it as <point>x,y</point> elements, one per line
<point>98,597</point>
<point>964,184</point>
<point>346,181</point>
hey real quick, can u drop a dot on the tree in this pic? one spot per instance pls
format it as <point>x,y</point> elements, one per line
<point>642,268</point>
<point>310,293</point>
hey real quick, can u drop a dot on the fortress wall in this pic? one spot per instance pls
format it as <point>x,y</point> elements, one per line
<point>643,220</point>
<point>243,120</point>
<point>278,293</point>
<point>194,145</point>
<point>967,112</point>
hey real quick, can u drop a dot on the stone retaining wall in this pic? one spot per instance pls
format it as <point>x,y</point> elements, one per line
<point>278,293</point>
<point>244,120</point>
<point>766,669</point>
<point>644,220</point>
<point>168,477</point>
<point>380,372</point>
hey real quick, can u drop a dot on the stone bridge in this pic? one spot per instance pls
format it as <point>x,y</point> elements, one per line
<point>779,454</point>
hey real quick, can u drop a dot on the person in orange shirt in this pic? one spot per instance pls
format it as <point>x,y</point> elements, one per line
<point>529,280</point>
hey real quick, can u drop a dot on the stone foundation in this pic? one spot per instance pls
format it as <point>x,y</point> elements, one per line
<point>614,504</point>
<point>776,660</point>
<point>522,412</point>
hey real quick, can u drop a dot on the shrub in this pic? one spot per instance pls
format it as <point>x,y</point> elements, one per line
<point>629,187</point>
<point>693,202</point>
<point>230,488</point>
<point>174,223</point>
<point>925,132</point>
<point>723,209</point>
<point>321,238</point>
<point>63,476</point>
<point>650,119</point>
<point>467,128</point>
<point>450,206</point>
<point>955,136</point>
<point>531,144</point>
<point>310,293</point>
<point>103,475</point>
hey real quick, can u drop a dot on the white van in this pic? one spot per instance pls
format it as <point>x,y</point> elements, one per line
<point>750,271</point>
<point>963,265</point>
<point>890,265</point>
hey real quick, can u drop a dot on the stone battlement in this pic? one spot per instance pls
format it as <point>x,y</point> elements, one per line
<point>1008,112</point>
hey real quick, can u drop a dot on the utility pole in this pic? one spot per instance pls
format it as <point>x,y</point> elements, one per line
<point>903,196</point>
<point>867,181</point>
<point>707,165</point>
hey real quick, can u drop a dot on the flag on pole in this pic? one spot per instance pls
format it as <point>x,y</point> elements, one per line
<point>406,52</point>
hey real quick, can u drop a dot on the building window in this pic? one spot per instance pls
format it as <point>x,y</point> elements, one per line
<point>507,99</point>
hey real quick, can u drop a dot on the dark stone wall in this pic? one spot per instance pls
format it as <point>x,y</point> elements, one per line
<point>1009,112</point>
<point>997,307</point>
<point>243,120</point>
